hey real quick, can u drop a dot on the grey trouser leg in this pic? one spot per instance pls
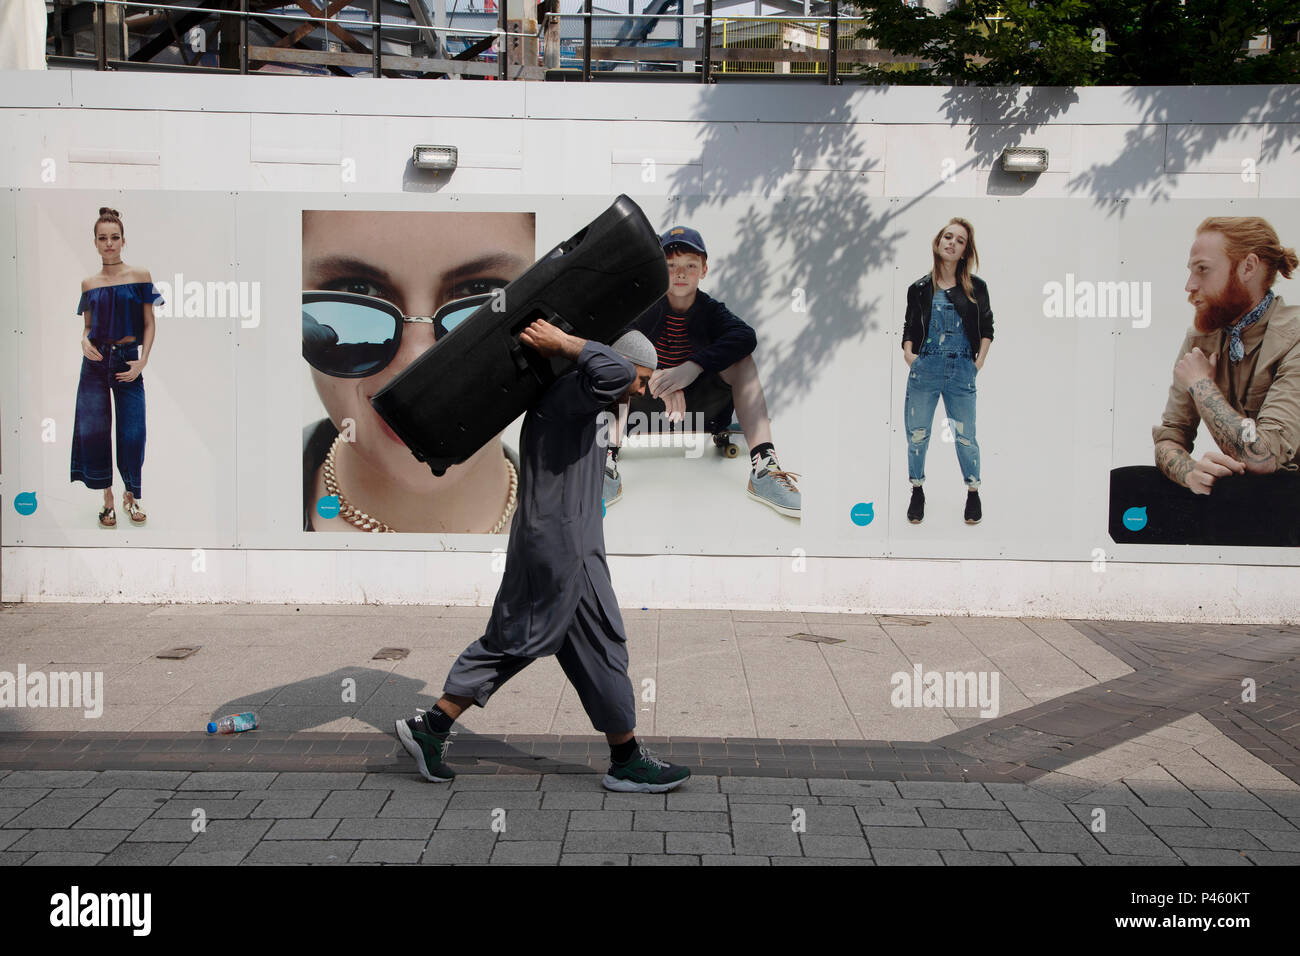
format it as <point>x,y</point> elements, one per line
<point>593,656</point>
<point>479,672</point>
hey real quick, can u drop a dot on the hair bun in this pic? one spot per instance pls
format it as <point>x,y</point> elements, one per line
<point>104,210</point>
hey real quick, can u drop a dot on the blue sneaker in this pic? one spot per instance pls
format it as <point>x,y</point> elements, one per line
<point>428,749</point>
<point>613,489</point>
<point>776,488</point>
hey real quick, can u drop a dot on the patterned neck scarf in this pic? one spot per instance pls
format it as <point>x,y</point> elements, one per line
<point>1237,351</point>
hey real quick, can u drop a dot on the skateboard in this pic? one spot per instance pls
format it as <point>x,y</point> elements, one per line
<point>724,439</point>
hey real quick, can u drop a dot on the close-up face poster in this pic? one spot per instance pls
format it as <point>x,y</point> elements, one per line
<point>379,290</point>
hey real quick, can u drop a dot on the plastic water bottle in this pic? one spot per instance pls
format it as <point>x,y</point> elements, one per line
<point>233,724</point>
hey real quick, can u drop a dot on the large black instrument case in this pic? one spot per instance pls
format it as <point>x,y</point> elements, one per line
<point>453,399</point>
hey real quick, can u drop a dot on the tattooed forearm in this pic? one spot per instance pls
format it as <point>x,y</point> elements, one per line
<point>1230,431</point>
<point>1173,461</point>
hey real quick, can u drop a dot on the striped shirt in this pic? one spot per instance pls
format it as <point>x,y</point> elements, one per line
<point>673,346</point>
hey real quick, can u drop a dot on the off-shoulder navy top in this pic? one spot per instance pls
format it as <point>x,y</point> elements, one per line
<point>117,311</point>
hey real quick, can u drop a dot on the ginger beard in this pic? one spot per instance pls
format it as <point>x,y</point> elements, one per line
<point>1219,312</point>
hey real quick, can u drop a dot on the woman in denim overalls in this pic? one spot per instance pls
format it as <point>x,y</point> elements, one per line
<point>946,364</point>
<point>117,305</point>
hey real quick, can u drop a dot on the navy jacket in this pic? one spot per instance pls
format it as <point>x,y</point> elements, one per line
<point>718,339</point>
<point>976,315</point>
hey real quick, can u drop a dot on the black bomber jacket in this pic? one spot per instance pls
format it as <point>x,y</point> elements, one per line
<point>976,315</point>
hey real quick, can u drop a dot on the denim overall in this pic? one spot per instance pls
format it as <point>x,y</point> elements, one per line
<point>92,439</point>
<point>945,368</point>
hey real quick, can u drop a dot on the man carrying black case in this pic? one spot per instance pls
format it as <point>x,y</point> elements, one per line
<point>556,596</point>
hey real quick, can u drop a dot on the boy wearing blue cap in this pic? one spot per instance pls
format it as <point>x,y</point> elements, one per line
<point>706,367</point>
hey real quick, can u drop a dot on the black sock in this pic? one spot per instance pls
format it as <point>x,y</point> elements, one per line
<point>622,753</point>
<point>437,721</point>
<point>758,451</point>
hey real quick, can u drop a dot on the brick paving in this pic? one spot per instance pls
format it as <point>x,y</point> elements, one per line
<point>168,818</point>
<point>1178,669</point>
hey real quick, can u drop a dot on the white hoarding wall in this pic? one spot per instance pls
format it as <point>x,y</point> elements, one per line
<point>818,207</point>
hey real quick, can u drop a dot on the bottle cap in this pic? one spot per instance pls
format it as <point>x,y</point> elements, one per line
<point>212,728</point>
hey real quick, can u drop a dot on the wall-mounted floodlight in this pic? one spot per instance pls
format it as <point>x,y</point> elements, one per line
<point>1024,159</point>
<point>434,157</point>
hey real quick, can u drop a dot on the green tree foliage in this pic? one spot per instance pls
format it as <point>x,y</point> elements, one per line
<point>1081,43</point>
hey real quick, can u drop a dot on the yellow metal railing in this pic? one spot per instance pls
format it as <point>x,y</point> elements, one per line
<point>784,34</point>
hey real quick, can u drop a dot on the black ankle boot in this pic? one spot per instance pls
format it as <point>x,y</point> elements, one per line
<point>974,513</point>
<point>916,508</point>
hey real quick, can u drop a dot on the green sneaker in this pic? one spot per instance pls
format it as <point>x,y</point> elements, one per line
<point>644,773</point>
<point>428,749</point>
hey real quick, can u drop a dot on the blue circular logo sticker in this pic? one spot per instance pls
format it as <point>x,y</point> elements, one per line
<point>328,506</point>
<point>25,503</point>
<point>1135,519</point>
<point>862,513</point>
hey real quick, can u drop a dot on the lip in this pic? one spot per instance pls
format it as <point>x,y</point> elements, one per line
<point>383,425</point>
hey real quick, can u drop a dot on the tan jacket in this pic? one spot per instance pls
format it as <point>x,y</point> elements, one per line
<point>1264,385</point>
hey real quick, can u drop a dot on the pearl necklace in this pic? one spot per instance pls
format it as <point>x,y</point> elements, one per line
<point>365,522</point>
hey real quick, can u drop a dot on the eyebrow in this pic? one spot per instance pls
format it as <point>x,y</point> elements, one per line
<point>493,260</point>
<point>336,265</point>
<point>348,264</point>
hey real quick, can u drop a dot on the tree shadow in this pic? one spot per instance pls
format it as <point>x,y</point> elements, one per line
<point>810,210</point>
<point>1001,116</point>
<point>1190,141</point>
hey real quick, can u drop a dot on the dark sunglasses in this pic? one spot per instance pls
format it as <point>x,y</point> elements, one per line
<point>352,336</point>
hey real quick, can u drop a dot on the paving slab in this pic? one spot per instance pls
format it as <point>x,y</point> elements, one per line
<point>388,851</point>
<point>697,843</point>
<point>52,813</point>
<point>302,851</point>
<point>143,854</point>
<point>77,841</point>
<point>64,858</point>
<point>299,829</point>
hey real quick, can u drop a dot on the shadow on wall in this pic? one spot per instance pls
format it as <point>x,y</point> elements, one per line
<point>1189,144</point>
<point>1004,116</point>
<point>832,232</point>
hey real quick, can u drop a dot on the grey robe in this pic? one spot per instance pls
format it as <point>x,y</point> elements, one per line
<point>557,537</point>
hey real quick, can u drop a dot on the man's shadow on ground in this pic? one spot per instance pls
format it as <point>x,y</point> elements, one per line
<point>376,698</point>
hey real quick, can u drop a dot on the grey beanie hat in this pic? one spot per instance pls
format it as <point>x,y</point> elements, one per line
<point>637,349</point>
